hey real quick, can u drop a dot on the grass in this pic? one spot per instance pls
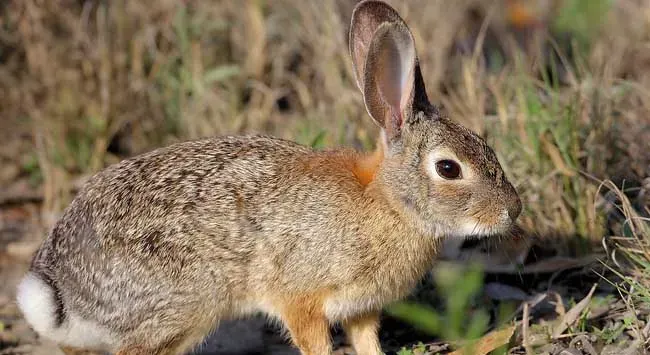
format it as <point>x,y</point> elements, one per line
<point>562,98</point>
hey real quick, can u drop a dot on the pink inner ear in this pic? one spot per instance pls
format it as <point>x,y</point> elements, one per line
<point>367,17</point>
<point>407,91</point>
<point>396,66</point>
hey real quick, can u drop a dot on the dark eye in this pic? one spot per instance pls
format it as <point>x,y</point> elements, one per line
<point>448,169</point>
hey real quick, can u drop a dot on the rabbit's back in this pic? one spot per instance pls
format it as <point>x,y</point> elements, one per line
<point>166,205</point>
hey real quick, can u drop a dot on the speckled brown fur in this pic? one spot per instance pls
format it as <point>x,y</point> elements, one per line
<point>154,251</point>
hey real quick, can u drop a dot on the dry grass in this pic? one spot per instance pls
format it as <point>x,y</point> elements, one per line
<point>97,82</point>
<point>86,83</point>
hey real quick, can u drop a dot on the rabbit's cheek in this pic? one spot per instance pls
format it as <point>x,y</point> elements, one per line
<point>441,190</point>
<point>450,197</point>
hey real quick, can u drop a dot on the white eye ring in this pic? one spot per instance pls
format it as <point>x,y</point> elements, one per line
<point>446,155</point>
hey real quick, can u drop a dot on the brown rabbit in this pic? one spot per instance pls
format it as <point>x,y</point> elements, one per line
<point>154,251</point>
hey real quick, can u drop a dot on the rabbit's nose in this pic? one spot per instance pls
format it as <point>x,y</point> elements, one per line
<point>514,206</point>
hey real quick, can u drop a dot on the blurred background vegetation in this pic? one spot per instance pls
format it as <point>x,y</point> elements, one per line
<point>560,89</point>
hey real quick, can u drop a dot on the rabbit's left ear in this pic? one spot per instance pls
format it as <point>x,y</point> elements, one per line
<point>385,65</point>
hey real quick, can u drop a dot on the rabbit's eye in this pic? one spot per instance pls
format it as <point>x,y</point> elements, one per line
<point>448,169</point>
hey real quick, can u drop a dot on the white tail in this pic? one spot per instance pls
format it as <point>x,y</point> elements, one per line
<point>36,299</point>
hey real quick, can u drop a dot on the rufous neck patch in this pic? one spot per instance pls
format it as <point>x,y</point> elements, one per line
<point>366,165</point>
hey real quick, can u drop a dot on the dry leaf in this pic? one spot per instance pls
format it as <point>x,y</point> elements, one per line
<point>489,342</point>
<point>572,315</point>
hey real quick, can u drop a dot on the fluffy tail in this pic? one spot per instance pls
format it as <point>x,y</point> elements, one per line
<point>40,303</point>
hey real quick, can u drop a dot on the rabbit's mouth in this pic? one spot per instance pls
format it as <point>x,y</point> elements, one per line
<point>476,228</point>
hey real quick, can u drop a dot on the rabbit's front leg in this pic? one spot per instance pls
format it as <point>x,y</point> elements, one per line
<point>308,326</point>
<point>362,333</point>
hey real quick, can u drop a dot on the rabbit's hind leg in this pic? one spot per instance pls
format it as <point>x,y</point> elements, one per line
<point>166,338</point>
<point>177,346</point>
<point>137,349</point>
<point>75,351</point>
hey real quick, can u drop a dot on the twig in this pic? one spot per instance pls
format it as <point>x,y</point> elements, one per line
<point>525,325</point>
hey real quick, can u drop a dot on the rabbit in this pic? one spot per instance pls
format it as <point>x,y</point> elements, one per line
<point>154,251</point>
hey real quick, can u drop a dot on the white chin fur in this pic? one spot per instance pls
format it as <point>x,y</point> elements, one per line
<point>451,246</point>
<point>470,229</point>
<point>35,299</point>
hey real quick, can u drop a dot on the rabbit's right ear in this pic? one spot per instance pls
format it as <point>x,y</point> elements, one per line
<point>385,65</point>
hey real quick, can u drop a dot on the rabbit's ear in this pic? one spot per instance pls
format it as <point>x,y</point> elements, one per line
<point>386,65</point>
<point>366,19</point>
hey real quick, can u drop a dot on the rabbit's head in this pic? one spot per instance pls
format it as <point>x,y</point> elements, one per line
<point>440,175</point>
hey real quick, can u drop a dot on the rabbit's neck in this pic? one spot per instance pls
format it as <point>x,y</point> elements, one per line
<point>402,252</point>
<point>391,260</point>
